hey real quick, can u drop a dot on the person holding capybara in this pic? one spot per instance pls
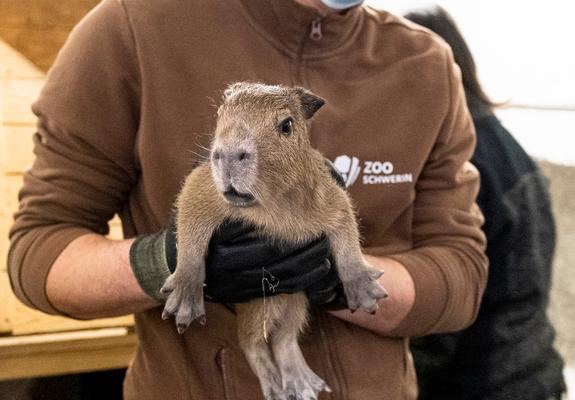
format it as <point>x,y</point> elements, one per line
<point>124,117</point>
<point>508,352</point>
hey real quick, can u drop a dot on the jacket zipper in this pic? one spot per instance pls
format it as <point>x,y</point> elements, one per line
<point>314,33</point>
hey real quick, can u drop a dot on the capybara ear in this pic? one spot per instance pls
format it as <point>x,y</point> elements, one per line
<point>310,102</point>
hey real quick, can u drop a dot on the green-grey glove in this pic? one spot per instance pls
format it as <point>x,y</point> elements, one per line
<point>150,261</point>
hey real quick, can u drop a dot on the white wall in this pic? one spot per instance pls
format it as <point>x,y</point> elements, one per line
<point>525,54</point>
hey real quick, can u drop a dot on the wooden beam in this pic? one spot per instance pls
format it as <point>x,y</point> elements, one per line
<point>65,353</point>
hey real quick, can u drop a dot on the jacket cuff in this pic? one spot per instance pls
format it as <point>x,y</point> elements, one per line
<point>449,284</point>
<point>431,294</point>
<point>30,259</point>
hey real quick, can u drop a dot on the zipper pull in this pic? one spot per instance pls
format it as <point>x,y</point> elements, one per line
<point>315,33</point>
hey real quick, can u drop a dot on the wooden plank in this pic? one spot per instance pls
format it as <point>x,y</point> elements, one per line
<point>25,321</point>
<point>20,84</point>
<point>8,205</point>
<point>5,303</point>
<point>9,186</point>
<point>16,149</point>
<point>55,354</point>
<point>4,226</point>
<point>18,95</point>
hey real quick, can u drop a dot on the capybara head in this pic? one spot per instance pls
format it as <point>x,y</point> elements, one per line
<point>261,147</point>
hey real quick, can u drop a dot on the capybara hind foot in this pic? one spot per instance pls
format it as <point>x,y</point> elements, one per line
<point>270,382</point>
<point>299,381</point>
<point>303,385</point>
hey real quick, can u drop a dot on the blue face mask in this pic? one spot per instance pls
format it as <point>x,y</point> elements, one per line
<point>341,4</point>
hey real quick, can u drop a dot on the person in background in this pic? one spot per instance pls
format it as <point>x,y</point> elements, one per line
<point>508,352</point>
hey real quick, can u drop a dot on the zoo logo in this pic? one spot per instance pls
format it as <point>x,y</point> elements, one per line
<point>374,172</point>
<point>349,168</point>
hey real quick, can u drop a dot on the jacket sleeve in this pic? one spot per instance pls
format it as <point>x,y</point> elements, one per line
<point>84,168</point>
<point>447,262</point>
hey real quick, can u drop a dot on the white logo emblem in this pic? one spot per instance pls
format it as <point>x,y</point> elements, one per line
<point>349,168</point>
<point>374,172</point>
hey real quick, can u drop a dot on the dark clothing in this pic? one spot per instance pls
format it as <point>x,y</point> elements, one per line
<point>508,353</point>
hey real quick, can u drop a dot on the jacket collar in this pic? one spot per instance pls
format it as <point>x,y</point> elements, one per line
<point>300,31</point>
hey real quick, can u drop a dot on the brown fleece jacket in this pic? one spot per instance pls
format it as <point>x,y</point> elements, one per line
<point>128,105</point>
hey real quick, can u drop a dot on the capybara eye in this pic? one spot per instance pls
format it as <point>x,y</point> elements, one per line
<point>286,126</point>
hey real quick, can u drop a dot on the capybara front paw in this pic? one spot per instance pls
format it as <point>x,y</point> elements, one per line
<point>185,301</point>
<point>364,291</point>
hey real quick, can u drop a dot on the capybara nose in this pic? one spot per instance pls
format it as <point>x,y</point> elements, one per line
<point>231,157</point>
<point>230,164</point>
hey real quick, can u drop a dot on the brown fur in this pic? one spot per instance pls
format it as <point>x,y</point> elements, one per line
<point>295,200</point>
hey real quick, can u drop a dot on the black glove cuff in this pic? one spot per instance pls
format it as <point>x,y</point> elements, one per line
<point>171,248</point>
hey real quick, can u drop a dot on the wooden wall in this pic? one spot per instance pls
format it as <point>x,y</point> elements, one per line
<point>38,28</point>
<point>33,343</point>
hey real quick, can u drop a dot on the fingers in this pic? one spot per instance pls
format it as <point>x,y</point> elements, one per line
<point>238,257</point>
<point>327,293</point>
<point>305,261</point>
<point>326,282</point>
<point>321,296</point>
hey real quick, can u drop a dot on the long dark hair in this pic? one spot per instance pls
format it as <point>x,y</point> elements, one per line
<point>439,21</point>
